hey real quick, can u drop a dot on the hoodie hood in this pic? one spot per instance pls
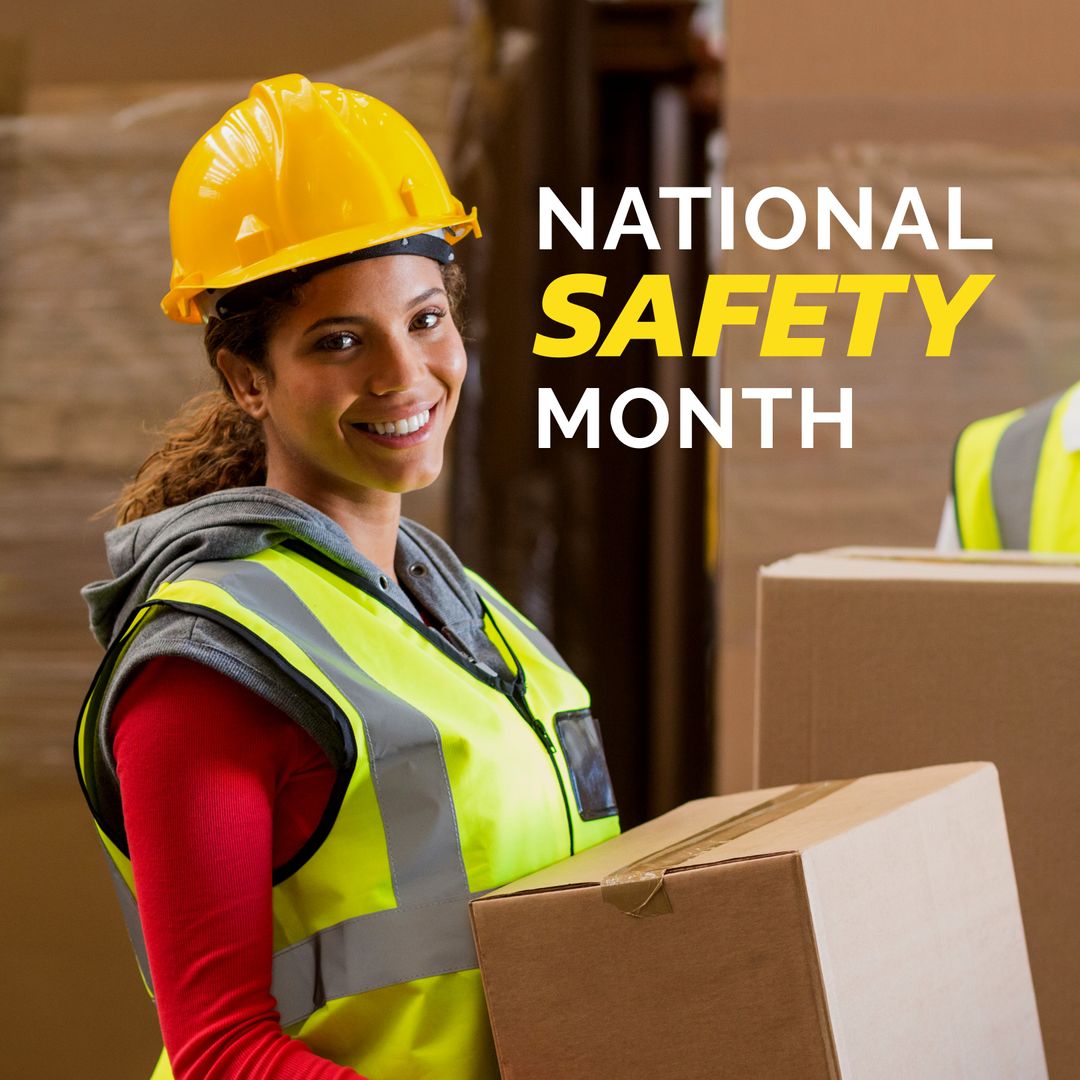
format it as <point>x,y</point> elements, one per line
<point>223,525</point>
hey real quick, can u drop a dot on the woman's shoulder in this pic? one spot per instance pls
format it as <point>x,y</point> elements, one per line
<point>197,641</point>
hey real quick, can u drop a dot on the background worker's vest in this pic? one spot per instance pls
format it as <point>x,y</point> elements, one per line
<point>1015,485</point>
<point>454,782</point>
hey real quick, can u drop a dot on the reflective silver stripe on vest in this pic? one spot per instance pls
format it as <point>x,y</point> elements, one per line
<point>1014,471</point>
<point>428,932</point>
<point>369,952</point>
<point>535,638</point>
<point>130,910</point>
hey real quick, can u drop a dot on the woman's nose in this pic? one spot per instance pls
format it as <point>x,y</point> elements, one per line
<point>396,366</point>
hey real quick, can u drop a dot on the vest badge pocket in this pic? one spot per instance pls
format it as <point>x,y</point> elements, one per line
<point>583,748</point>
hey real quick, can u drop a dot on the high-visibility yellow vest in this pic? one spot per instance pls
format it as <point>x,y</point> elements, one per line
<point>455,782</point>
<point>1015,486</point>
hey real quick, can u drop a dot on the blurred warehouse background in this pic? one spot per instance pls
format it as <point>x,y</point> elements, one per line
<point>640,563</point>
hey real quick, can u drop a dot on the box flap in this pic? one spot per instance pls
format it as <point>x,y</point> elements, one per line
<point>922,564</point>
<point>597,863</point>
<point>801,824</point>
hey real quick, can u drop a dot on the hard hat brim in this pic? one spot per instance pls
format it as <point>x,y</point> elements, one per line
<point>178,301</point>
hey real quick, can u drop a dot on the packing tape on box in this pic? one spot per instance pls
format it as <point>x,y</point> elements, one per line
<point>962,558</point>
<point>638,887</point>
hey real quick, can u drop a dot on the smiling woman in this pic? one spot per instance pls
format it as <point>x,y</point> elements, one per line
<point>315,735</point>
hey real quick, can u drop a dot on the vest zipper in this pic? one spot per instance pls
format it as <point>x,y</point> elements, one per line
<point>517,696</point>
<point>464,650</point>
<point>445,642</point>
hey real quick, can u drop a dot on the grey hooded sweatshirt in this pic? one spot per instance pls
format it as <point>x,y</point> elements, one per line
<point>242,521</point>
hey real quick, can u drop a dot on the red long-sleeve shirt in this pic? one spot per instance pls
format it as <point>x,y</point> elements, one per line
<point>218,787</point>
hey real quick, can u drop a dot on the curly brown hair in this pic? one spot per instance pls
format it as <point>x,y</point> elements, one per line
<point>212,444</point>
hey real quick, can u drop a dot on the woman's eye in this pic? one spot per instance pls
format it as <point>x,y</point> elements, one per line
<point>428,320</point>
<point>339,342</point>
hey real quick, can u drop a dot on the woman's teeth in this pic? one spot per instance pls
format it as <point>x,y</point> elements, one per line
<point>401,427</point>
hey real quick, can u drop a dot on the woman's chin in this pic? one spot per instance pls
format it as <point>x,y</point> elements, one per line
<point>401,482</point>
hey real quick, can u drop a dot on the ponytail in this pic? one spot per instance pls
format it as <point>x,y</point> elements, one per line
<point>211,445</point>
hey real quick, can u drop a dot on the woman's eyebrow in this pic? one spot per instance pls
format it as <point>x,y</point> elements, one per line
<point>361,319</point>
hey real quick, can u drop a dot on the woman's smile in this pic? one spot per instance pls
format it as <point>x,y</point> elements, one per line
<point>406,426</point>
<point>402,430</point>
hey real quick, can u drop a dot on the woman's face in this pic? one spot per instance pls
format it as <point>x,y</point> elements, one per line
<point>365,376</point>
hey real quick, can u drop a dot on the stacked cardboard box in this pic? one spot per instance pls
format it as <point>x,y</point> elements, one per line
<point>866,929</point>
<point>874,659</point>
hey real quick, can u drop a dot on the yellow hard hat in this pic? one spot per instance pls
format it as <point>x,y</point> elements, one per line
<point>297,173</point>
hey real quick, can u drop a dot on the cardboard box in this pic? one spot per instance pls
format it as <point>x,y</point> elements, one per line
<point>878,659</point>
<point>866,929</point>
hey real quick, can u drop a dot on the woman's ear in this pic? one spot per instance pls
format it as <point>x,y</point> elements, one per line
<point>247,382</point>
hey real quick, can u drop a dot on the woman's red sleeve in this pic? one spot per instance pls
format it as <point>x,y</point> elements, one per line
<point>218,787</point>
